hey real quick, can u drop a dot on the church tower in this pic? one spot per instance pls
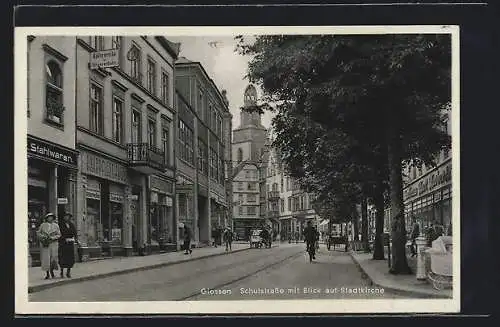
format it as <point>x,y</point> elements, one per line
<point>249,139</point>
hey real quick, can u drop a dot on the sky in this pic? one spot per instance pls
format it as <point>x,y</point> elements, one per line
<point>226,68</point>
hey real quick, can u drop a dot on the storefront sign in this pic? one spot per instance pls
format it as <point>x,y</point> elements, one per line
<point>161,185</point>
<point>104,59</point>
<point>133,197</point>
<point>104,168</point>
<point>114,197</point>
<point>92,194</point>
<point>52,152</point>
<point>62,200</point>
<point>429,183</point>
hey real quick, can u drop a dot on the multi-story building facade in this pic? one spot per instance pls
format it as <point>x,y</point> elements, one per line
<point>125,135</point>
<point>203,139</point>
<point>248,151</point>
<point>52,158</point>
<point>287,201</point>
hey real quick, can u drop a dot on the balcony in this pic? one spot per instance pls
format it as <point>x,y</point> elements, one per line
<point>145,158</point>
<point>273,195</point>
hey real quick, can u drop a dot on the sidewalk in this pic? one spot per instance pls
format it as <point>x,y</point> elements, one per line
<point>120,265</point>
<point>377,272</point>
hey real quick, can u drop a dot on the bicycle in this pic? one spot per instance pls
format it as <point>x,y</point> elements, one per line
<point>312,251</point>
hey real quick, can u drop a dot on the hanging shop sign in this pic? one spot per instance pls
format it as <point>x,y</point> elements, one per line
<point>52,152</point>
<point>436,179</point>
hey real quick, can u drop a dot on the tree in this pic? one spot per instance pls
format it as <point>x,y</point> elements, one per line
<point>387,90</point>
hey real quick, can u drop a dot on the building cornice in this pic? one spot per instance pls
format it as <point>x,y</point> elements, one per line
<point>50,50</point>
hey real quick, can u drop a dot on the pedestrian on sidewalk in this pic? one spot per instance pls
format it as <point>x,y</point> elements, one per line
<point>48,234</point>
<point>228,238</point>
<point>67,244</point>
<point>187,240</point>
<point>415,232</point>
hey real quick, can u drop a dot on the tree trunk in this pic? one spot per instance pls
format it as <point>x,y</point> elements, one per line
<point>378,247</point>
<point>398,229</point>
<point>355,221</point>
<point>364,225</point>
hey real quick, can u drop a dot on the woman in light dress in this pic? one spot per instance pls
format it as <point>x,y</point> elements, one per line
<point>49,234</point>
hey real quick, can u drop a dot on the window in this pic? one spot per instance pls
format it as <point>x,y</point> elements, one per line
<point>134,56</point>
<point>136,127</point>
<point>240,186</point>
<point>202,157</point>
<point>282,205</point>
<point>222,171</point>
<point>116,42</point>
<point>251,198</point>
<point>240,210</point>
<point>164,142</point>
<point>96,124</point>
<point>240,155</point>
<point>54,92</point>
<point>251,186</point>
<point>97,42</point>
<point>152,132</point>
<point>282,183</point>
<point>185,143</point>
<point>219,126</point>
<point>201,111</point>
<point>213,164</point>
<point>164,87</point>
<point>251,211</point>
<point>117,120</point>
<point>289,204</point>
<point>240,198</point>
<point>152,76</point>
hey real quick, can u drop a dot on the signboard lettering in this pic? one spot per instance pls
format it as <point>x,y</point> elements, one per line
<point>52,152</point>
<point>104,168</point>
<point>161,185</point>
<point>104,59</point>
<point>62,200</point>
<point>436,179</point>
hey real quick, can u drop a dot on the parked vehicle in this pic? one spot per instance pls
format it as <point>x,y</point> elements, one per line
<point>256,239</point>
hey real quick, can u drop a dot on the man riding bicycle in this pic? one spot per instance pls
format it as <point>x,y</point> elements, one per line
<point>310,236</point>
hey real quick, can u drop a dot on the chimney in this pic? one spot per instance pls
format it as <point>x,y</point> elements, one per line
<point>224,96</point>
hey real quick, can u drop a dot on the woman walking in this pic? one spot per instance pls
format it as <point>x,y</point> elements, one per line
<point>49,234</point>
<point>67,245</point>
<point>187,240</point>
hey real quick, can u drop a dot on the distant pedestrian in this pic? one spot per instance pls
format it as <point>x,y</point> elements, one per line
<point>48,234</point>
<point>67,245</point>
<point>228,239</point>
<point>187,240</point>
<point>415,232</point>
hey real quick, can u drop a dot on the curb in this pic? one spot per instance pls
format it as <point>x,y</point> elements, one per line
<point>37,288</point>
<point>396,290</point>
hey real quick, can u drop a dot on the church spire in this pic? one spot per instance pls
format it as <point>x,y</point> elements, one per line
<point>250,99</point>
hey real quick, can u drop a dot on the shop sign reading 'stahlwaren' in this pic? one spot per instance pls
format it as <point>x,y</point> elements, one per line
<point>52,152</point>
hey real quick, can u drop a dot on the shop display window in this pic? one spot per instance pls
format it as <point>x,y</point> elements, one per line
<point>94,229</point>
